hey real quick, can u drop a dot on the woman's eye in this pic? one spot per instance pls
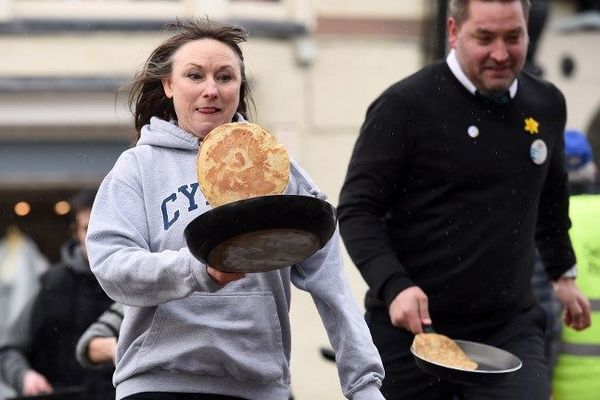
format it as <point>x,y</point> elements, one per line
<point>194,76</point>
<point>225,77</point>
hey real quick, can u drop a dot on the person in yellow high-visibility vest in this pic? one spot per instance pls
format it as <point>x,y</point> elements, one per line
<point>577,373</point>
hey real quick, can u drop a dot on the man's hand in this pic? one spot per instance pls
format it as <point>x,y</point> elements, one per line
<point>102,350</point>
<point>576,307</point>
<point>35,383</point>
<point>223,278</point>
<point>410,310</point>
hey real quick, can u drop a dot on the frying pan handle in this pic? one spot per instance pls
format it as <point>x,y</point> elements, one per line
<point>428,328</point>
<point>328,354</point>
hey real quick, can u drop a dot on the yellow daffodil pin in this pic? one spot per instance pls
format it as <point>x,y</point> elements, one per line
<point>531,126</point>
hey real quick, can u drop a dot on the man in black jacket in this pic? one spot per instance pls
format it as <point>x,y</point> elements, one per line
<point>39,353</point>
<point>457,174</point>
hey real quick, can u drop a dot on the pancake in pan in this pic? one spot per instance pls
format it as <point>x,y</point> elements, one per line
<point>440,349</point>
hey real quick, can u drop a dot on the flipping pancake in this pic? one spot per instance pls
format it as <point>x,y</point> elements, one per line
<point>240,160</point>
<point>441,349</point>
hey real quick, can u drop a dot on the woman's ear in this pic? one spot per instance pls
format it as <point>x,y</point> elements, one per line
<point>167,86</point>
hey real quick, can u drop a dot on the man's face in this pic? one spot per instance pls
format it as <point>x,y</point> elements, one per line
<point>82,219</point>
<point>491,44</point>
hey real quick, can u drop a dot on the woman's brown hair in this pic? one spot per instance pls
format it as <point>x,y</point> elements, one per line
<point>146,94</point>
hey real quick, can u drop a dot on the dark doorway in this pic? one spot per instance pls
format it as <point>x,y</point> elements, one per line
<point>42,224</point>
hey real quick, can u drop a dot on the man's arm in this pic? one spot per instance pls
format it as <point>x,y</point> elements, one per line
<point>373,181</point>
<point>552,231</point>
<point>13,366</point>
<point>552,236</point>
<point>379,163</point>
<point>97,346</point>
<point>15,369</point>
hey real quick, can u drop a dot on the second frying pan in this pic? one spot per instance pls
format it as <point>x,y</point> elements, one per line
<point>495,365</point>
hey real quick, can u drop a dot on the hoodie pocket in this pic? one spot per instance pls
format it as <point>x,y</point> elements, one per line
<point>232,334</point>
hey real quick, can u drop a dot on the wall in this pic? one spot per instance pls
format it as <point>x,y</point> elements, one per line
<point>311,91</point>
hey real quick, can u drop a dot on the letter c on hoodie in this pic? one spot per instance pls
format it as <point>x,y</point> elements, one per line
<point>166,221</point>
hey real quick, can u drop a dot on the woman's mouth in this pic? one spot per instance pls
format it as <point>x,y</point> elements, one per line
<point>208,110</point>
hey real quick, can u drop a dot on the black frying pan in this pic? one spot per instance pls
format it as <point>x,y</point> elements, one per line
<point>261,233</point>
<point>495,365</point>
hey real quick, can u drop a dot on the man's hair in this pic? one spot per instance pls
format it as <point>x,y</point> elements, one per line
<point>82,200</point>
<point>459,9</point>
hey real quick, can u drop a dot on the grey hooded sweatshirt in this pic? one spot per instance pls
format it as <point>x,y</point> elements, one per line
<point>181,331</point>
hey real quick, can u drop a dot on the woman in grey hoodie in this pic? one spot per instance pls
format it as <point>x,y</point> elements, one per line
<point>190,331</point>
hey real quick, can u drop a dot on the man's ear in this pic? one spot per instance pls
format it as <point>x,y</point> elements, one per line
<point>452,29</point>
<point>167,86</point>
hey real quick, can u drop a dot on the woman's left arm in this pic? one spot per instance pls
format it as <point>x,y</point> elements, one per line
<point>360,369</point>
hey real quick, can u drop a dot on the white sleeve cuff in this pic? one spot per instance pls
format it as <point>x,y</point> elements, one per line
<point>570,273</point>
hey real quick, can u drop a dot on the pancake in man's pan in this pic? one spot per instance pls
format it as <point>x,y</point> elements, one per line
<point>442,350</point>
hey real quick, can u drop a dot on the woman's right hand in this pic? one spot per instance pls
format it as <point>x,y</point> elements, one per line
<point>223,278</point>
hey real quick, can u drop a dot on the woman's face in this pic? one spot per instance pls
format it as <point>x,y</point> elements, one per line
<point>204,85</point>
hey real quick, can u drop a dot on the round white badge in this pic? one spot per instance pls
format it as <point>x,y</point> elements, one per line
<point>538,151</point>
<point>473,131</point>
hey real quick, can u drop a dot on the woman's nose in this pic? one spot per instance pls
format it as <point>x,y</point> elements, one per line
<point>210,90</point>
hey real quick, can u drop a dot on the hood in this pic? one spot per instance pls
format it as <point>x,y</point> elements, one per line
<point>167,134</point>
<point>72,257</point>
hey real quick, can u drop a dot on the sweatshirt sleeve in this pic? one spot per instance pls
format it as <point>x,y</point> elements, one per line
<point>379,163</point>
<point>119,250</point>
<point>13,362</point>
<point>107,325</point>
<point>358,363</point>
<point>13,366</point>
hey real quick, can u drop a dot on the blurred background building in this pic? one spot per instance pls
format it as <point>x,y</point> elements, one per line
<point>315,65</point>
